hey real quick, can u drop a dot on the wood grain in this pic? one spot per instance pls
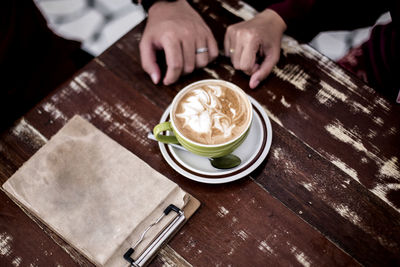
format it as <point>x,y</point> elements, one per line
<point>327,194</point>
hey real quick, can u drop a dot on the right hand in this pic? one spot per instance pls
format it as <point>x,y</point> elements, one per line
<point>260,36</point>
<point>178,29</point>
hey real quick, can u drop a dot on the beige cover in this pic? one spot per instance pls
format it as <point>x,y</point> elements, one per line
<point>94,193</point>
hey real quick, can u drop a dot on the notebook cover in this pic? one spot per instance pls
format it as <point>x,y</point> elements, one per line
<point>95,194</point>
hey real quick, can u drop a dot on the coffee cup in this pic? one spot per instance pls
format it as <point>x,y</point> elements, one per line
<point>210,118</point>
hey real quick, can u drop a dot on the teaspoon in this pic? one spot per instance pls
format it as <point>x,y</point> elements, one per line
<point>224,162</point>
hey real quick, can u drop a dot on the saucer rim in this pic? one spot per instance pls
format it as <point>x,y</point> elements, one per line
<point>227,176</point>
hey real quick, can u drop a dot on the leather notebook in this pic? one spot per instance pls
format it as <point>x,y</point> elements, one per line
<point>99,197</point>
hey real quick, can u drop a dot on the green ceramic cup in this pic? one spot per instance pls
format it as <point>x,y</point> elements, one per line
<point>206,150</point>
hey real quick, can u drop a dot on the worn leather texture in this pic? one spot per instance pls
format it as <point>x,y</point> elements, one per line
<point>94,193</point>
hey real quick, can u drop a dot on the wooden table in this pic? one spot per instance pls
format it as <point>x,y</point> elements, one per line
<point>328,192</point>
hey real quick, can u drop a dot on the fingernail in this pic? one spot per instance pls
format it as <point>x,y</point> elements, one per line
<point>154,78</point>
<point>255,84</point>
<point>165,82</point>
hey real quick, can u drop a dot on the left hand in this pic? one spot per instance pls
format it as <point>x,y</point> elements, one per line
<point>178,29</point>
<point>260,36</point>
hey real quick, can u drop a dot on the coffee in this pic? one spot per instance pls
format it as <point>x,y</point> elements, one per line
<point>213,112</point>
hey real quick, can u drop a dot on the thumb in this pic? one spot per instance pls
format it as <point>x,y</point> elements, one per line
<point>263,71</point>
<point>149,60</point>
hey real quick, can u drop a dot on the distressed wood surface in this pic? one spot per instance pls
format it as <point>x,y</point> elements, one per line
<point>327,194</point>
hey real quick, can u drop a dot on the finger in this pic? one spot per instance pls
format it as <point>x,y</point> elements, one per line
<point>201,58</point>
<point>264,70</point>
<point>236,54</point>
<point>227,42</point>
<point>174,59</point>
<point>212,48</point>
<point>149,61</point>
<point>189,56</point>
<point>248,57</point>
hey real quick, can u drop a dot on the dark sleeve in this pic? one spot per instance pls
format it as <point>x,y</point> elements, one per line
<point>306,18</point>
<point>33,60</point>
<point>382,55</point>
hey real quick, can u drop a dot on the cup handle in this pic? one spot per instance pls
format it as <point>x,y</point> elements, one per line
<point>167,139</point>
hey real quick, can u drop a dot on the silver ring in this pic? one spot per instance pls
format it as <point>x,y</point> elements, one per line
<point>201,50</point>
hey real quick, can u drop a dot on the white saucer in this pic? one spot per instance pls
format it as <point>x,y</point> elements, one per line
<point>252,152</point>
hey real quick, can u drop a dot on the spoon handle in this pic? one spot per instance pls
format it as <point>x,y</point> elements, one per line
<point>151,136</point>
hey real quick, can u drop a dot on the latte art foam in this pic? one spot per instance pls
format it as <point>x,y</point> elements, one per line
<point>212,114</point>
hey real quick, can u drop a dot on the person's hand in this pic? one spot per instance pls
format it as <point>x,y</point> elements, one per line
<point>178,29</point>
<point>258,37</point>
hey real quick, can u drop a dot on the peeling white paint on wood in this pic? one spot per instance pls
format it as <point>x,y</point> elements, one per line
<point>338,131</point>
<point>285,103</point>
<point>98,61</point>
<point>344,167</point>
<point>171,258</point>
<point>271,95</point>
<point>372,134</point>
<point>383,103</point>
<point>222,211</point>
<point>234,220</point>
<point>75,87</point>
<point>277,153</point>
<point>301,257</point>
<point>378,120</point>
<point>137,127</point>
<point>246,12</point>
<point>354,218</point>
<point>302,113</point>
<point>120,46</point>
<point>381,190</point>
<point>229,68</point>
<point>390,168</point>
<point>213,73</point>
<point>331,69</point>
<point>103,113</point>
<point>26,132</point>
<point>5,244</point>
<point>346,213</point>
<point>356,107</point>
<point>87,77</point>
<point>264,247</point>
<point>55,113</point>
<point>289,167</point>
<point>290,46</point>
<point>392,130</point>
<point>308,186</point>
<point>16,261</point>
<point>293,74</point>
<point>272,116</point>
<point>213,16</point>
<point>242,235</point>
<point>78,84</point>
<point>137,121</point>
<point>326,65</point>
<point>328,95</point>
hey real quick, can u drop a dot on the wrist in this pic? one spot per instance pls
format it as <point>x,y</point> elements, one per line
<point>274,18</point>
<point>166,6</point>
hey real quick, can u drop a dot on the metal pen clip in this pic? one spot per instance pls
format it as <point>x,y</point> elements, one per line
<point>157,243</point>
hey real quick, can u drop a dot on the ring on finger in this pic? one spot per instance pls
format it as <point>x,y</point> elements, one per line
<point>231,50</point>
<point>201,50</point>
